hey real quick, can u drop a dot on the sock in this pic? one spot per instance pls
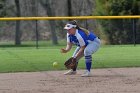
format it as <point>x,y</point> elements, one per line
<point>88,61</point>
<point>75,68</point>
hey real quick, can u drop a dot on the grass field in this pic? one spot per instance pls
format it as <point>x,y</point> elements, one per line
<point>19,59</point>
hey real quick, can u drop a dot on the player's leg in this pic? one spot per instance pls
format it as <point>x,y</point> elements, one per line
<point>91,48</point>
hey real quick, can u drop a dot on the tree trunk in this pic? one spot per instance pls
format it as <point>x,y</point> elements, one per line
<point>2,8</point>
<point>50,12</point>
<point>69,8</point>
<point>18,32</point>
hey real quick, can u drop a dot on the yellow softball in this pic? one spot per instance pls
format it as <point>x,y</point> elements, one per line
<point>55,64</point>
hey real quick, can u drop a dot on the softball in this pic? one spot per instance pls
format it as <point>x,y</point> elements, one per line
<point>55,64</point>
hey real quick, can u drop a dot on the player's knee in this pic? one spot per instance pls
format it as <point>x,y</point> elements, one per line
<point>87,52</point>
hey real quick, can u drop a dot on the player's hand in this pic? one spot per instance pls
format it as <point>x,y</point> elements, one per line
<point>63,50</point>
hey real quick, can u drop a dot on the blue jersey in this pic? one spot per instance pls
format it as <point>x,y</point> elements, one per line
<point>80,38</point>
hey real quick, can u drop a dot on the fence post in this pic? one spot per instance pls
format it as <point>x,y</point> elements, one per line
<point>36,28</point>
<point>134,32</point>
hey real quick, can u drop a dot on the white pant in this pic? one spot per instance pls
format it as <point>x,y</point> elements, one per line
<point>91,48</point>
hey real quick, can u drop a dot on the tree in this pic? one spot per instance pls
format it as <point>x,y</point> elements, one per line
<point>69,8</point>
<point>2,8</point>
<point>119,31</point>
<point>47,5</point>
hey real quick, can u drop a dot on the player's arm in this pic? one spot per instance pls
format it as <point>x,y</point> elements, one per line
<point>80,52</point>
<point>82,43</point>
<point>67,49</point>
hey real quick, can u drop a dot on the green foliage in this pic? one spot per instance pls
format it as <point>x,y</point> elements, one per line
<point>118,31</point>
<point>123,7</point>
<point>117,7</point>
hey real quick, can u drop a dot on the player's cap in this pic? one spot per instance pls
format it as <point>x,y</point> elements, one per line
<point>69,26</point>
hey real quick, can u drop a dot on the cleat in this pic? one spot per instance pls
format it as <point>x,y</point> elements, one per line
<point>86,74</point>
<point>70,72</point>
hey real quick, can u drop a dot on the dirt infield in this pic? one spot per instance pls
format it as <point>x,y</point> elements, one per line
<point>116,80</point>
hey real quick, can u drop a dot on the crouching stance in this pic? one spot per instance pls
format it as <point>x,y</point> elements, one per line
<point>87,43</point>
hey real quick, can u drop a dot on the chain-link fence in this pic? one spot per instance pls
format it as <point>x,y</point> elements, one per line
<point>111,31</point>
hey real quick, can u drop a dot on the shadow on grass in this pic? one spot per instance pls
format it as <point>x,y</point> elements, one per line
<point>10,45</point>
<point>29,45</point>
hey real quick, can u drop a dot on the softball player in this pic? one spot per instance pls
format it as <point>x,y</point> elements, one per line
<point>87,44</point>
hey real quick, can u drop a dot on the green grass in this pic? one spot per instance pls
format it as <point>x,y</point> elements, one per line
<point>19,59</point>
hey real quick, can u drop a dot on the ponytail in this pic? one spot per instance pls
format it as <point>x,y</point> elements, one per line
<point>74,22</point>
<point>84,30</point>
